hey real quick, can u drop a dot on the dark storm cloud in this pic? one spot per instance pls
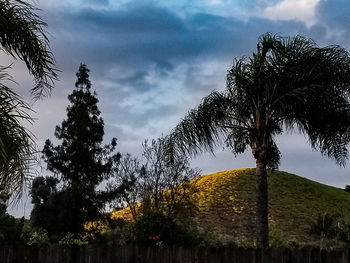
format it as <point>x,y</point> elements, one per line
<point>137,79</point>
<point>139,36</point>
<point>138,47</point>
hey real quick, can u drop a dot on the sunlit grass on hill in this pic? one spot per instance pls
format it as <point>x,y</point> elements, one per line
<point>226,205</point>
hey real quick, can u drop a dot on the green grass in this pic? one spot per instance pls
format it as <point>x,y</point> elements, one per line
<point>226,203</point>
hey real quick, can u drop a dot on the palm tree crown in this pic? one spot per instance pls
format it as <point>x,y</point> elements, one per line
<point>22,36</point>
<point>287,84</point>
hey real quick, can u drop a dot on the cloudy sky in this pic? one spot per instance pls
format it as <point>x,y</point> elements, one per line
<point>152,61</point>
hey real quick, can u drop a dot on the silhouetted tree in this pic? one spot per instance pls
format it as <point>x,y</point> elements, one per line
<point>81,162</point>
<point>287,84</point>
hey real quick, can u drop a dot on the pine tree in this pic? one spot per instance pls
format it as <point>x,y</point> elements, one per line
<point>81,162</point>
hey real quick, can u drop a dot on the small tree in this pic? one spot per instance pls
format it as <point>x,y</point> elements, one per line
<point>125,187</point>
<point>159,184</point>
<point>81,162</point>
<point>166,180</point>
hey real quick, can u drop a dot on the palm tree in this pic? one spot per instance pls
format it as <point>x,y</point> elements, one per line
<point>22,36</point>
<point>287,84</point>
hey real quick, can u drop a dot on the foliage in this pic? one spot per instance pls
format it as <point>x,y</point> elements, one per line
<point>118,231</point>
<point>16,144</point>
<point>330,228</point>
<point>54,215</point>
<point>159,184</point>
<point>343,229</point>
<point>125,185</point>
<point>80,162</point>
<point>23,36</point>
<point>38,236</point>
<point>347,188</point>
<point>10,228</point>
<point>156,228</point>
<point>288,83</point>
<point>69,239</point>
<point>44,194</point>
<point>42,188</point>
<point>324,226</point>
<point>165,181</point>
<point>276,236</point>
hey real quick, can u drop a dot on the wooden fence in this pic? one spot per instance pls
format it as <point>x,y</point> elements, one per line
<point>137,254</point>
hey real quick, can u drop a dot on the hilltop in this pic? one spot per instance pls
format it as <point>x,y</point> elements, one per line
<point>226,205</point>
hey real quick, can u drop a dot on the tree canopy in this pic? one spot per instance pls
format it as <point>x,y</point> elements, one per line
<point>288,84</point>
<point>81,162</point>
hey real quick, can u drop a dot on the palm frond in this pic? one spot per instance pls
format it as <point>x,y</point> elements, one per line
<point>201,128</point>
<point>22,35</point>
<point>17,148</point>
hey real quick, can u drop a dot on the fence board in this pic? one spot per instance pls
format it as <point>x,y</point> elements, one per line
<point>110,253</point>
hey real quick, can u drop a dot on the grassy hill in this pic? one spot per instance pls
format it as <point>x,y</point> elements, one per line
<point>226,202</point>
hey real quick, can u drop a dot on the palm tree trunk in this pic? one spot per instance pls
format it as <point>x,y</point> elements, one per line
<point>262,223</point>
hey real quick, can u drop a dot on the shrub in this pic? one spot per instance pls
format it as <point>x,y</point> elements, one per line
<point>117,230</point>
<point>38,236</point>
<point>69,239</point>
<point>276,236</point>
<point>156,228</point>
<point>324,226</point>
<point>10,229</point>
<point>347,188</point>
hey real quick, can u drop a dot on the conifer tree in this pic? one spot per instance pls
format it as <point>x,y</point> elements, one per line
<point>81,162</point>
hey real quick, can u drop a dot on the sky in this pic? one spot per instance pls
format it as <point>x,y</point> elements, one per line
<point>152,61</point>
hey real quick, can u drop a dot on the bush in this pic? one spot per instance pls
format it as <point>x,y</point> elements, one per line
<point>324,226</point>
<point>10,228</point>
<point>332,231</point>
<point>347,188</point>
<point>38,237</point>
<point>156,228</point>
<point>276,236</point>
<point>118,231</point>
<point>69,239</point>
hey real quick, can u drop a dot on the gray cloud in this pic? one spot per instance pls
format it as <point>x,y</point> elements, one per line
<point>147,34</point>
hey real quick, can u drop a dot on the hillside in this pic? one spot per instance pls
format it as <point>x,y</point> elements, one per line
<point>226,203</point>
